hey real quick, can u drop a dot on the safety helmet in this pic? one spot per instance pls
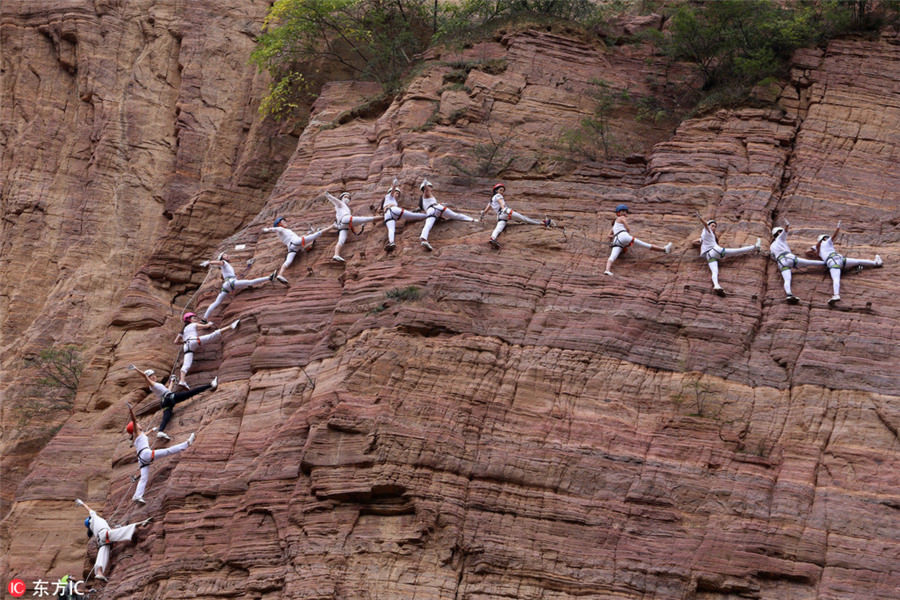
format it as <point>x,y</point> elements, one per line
<point>711,222</point>
<point>622,207</point>
<point>345,194</point>
<point>87,523</point>
<point>424,183</point>
<point>497,186</point>
<point>149,372</point>
<point>776,231</point>
<point>221,255</point>
<point>130,427</point>
<point>187,317</point>
<point>824,236</point>
<point>277,221</point>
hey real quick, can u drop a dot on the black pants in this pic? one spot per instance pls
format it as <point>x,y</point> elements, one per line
<point>172,398</point>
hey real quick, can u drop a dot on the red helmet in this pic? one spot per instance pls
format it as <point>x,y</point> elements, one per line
<point>498,186</point>
<point>130,427</point>
<point>187,317</point>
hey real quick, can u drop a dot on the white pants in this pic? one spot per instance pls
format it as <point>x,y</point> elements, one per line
<point>305,245</point>
<point>105,536</point>
<point>345,224</point>
<point>622,240</point>
<point>231,285</point>
<point>148,457</point>
<point>394,214</point>
<point>713,255</point>
<point>504,216</point>
<point>439,211</point>
<point>192,346</point>
<point>837,262</point>
<point>788,261</point>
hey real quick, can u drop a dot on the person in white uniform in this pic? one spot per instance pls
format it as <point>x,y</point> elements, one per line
<point>712,252</point>
<point>168,398</point>
<point>295,243</point>
<point>787,260</point>
<point>99,529</point>
<point>505,213</point>
<point>344,221</point>
<point>231,283</point>
<point>146,455</point>
<point>836,262</point>
<point>191,341</point>
<point>393,212</point>
<point>621,239</point>
<point>435,211</point>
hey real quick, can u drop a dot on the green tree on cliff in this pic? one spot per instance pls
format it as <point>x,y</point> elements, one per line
<point>737,43</point>
<point>308,40</point>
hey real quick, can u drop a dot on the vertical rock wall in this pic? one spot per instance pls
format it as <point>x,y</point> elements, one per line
<point>528,428</point>
<point>119,120</point>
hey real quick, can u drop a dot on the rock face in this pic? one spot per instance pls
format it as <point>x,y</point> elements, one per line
<point>121,124</point>
<point>526,427</point>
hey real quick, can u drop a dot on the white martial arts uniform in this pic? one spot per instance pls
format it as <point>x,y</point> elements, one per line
<point>146,456</point>
<point>787,260</point>
<point>505,214</point>
<point>622,240</point>
<point>231,284</point>
<point>344,221</point>
<point>105,535</point>
<point>836,262</point>
<point>294,242</point>
<point>394,213</point>
<point>713,252</point>
<point>434,210</point>
<point>192,342</point>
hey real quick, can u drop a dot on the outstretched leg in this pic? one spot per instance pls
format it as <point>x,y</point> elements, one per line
<point>391,225</point>
<point>522,218</point>
<point>613,255</point>
<point>835,284</point>
<point>786,275</point>
<point>222,295</point>
<point>849,263</point>
<point>455,216</point>
<point>172,450</point>
<point>173,398</point>
<point>142,484</point>
<point>501,225</point>
<point>714,270</point>
<point>342,239</point>
<point>426,229</point>
<point>741,250</point>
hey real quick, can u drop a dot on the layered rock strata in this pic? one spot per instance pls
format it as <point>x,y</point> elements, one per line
<point>527,428</point>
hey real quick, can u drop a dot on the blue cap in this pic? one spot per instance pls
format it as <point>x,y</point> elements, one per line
<point>622,207</point>
<point>87,522</point>
<point>277,221</point>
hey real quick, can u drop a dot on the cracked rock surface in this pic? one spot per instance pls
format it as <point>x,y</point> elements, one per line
<point>527,427</point>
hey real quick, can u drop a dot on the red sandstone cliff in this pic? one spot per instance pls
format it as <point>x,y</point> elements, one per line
<point>527,428</point>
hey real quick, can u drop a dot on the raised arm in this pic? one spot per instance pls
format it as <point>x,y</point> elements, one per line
<point>338,204</point>
<point>145,376</point>
<point>81,502</point>
<point>836,230</point>
<point>702,222</point>
<point>137,427</point>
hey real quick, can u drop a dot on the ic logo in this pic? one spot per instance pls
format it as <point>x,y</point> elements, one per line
<point>16,587</point>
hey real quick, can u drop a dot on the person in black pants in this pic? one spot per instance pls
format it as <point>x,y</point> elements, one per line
<point>168,399</point>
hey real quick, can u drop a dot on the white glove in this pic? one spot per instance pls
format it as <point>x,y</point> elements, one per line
<point>205,263</point>
<point>79,502</point>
